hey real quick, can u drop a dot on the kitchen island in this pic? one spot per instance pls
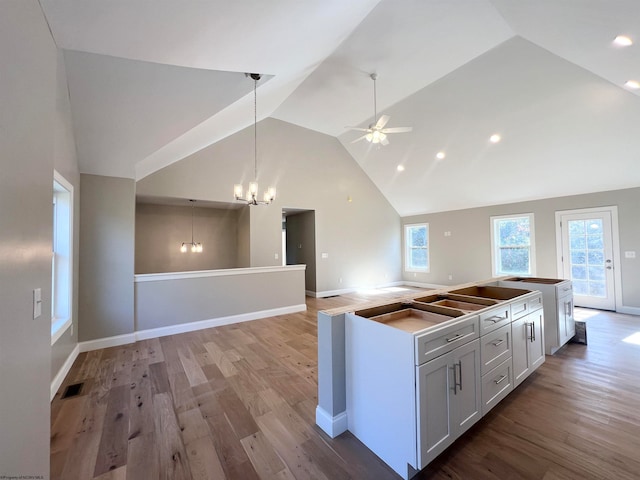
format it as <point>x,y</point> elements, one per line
<point>409,377</point>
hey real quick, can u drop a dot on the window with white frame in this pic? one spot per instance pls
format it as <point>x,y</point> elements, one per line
<point>512,245</point>
<point>416,243</point>
<point>62,256</point>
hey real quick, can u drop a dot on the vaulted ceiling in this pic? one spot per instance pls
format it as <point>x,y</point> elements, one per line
<point>153,81</point>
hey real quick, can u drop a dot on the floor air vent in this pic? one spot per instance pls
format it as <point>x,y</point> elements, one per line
<point>73,390</point>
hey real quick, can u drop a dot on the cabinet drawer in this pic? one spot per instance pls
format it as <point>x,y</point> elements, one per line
<point>495,318</point>
<point>495,348</point>
<point>564,288</point>
<point>437,342</point>
<point>525,306</point>
<point>534,303</point>
<point>496,385</point>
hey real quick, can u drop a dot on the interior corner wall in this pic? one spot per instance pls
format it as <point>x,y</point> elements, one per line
<point>301,245</point>
<point>356,227</point>
<point>466,253</point>
<point>107,229</point>
<point>27,123</point>
<point>66,164</point>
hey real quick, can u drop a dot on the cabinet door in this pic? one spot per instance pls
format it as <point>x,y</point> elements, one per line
<point>567,325</point>
<point>520,353</point>
<point>434,387</point>
<point>466,398</point>
<point>535,345</point>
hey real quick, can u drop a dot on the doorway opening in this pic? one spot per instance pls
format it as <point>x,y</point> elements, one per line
<point>299,243</point>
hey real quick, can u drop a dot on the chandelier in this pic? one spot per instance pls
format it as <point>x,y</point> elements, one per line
<point>251,197</point>
<point>195,247</point>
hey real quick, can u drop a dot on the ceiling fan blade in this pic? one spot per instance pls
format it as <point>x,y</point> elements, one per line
<point>384,141</point>
<point>359,129</point>
<point>359,138</point>
<point>397,130</point>
<point>382,121</point>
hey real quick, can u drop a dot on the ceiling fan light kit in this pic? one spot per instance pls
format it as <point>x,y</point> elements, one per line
<point>377,133</point>
<point>251,197</point>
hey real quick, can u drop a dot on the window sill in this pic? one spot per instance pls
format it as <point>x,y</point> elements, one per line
<point>58,327</point>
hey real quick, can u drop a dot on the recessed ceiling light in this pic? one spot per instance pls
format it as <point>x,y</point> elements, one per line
<point>632,84</point>
<point>623,41</point>
<point>495,138</point>
<point>440,155</point>
<point>400,168</point>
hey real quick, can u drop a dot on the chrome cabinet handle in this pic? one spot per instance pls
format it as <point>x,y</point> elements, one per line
<point>455,380</point>
<point>460,374</point>
<point>495,318</point>
<point>455,337</point>
<point>532,331</point>
<point>499,342</point>
<point>500,380</point>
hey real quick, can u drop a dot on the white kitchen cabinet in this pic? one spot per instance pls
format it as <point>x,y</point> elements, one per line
<point>528,345</point>
<point>449,399</point>
<point>557,296</point>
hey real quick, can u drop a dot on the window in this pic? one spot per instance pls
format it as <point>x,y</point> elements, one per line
<point>416,238</point>
<point>62,256</point>
<point>512,246</point>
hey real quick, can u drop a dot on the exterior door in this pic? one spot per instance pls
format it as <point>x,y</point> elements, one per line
<point>586,254</point>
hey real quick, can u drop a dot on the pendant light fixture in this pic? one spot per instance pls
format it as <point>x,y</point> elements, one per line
<point>252,193</point>
<point>193,246</point>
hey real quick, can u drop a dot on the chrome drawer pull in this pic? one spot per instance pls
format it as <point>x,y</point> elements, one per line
<point>495,318</point>
<point>455,337</point>
<point>500,380</point>
<point>499,342</point>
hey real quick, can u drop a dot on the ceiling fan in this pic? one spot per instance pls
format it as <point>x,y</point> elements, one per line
<point>377,133</point>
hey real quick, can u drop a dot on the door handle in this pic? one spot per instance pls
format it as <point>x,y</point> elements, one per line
<point>460,373</point>
<point>532,331</point>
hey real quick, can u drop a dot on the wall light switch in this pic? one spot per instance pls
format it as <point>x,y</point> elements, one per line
<point>630,254</point>
<point>37,303</point>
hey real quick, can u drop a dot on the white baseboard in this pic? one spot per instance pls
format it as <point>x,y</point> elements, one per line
<point>217,322</point>
<point>107,342</point>
<point>332,426</point>
<point>64,370</point>
<point>118,340</point>
<point>423,285</point>
<point>628,310</point>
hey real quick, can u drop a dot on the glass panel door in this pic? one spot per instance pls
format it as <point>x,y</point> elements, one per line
<point>587,258</point>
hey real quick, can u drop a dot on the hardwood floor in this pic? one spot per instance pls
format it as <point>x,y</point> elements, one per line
<point>238,402</point>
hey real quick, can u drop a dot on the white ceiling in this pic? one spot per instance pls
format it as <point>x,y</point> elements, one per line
<point>153,81</point>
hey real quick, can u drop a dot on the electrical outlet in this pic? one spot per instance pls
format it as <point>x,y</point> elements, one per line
<point>325,255</point>
<point>630,254</point>
<point>450,277</point>
<point>276,256</point>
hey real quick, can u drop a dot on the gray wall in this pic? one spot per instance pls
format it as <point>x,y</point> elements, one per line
<point>466,254</point>
<point>27,135</point>
<point>172,302</point>
<point>161,229</point>
<point>244,235</point>
<point>107,227</point>
<point>311,171</point>
<point>301,245</point>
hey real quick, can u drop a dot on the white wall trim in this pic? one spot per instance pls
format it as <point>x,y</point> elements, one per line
<point>156,277</point>
<point>628,310</point>
<point>64,370</point>
<point>107,342</point>
<point>217,322</point>
<point>58,327</point>
<point>186,327</point>
<point>424,285</point>
<point>332,426</point>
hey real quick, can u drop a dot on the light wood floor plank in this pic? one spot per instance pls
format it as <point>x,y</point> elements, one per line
<point>238,403</point>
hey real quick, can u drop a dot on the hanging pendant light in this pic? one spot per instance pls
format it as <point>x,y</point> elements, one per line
<point>193,246</point>
<point>251,197</point>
